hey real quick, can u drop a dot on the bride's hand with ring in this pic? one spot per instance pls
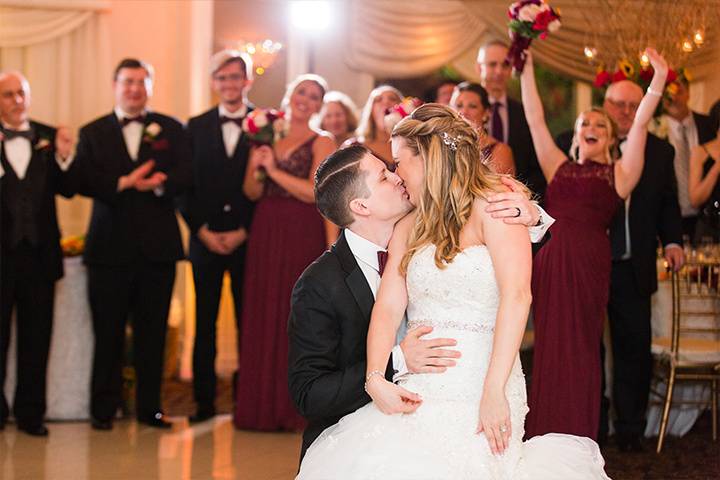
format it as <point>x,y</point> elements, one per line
<point>494,420</point>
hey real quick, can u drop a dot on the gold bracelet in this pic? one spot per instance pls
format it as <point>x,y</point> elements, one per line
<point>370,375</point>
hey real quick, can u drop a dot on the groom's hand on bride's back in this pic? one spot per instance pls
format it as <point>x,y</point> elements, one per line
<point>427,355</point>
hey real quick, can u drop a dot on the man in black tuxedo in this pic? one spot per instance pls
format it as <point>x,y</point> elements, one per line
<point>333,299</point>
<point>135,162</point>
<point>507,121</point>
<point>218,213</point>
<point>35,164</point>
<point>651,213</point>
<point>686,129</point>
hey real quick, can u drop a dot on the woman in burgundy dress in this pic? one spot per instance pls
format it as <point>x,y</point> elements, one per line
<point>571,273</point>
<point>286,235</point>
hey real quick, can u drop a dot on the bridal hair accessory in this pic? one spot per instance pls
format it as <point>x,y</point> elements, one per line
<point>450,141</point>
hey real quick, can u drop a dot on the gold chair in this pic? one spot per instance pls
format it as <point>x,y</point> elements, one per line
<point>692,352</point>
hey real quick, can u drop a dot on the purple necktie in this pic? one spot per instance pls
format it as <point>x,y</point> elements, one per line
<point>497,125</point>
<point>382,260</point>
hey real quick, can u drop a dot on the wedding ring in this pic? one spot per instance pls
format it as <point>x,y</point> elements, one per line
<point>519,212</point>
<point>503,429</point>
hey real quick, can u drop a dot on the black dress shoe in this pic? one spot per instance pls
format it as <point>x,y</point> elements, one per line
<point>201,416</point>
<point>34,430</point>
<point>98,424</point>
<point>157,420</point>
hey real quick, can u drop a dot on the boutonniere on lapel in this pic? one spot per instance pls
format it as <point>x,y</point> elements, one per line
<point>150,135</point>
<point>43,143</point>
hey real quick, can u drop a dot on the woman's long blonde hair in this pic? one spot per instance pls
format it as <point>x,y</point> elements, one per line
<point>454,177</point>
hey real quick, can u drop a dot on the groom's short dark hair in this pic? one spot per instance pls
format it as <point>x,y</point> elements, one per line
<point>338,181</point>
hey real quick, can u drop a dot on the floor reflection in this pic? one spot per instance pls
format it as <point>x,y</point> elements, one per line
<point>210,450</point>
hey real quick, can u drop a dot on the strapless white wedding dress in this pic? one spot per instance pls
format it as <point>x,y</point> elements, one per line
<point>438,441</point>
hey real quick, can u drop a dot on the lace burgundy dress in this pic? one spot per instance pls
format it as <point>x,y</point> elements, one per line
<point>286,236</point>
<point>570,285</point>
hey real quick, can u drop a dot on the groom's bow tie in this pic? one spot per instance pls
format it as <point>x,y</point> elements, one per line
<point>382,260</point>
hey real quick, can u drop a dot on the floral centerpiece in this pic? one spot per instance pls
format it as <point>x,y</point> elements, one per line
<point>397,112</point>
<point>529,20</point>
<point>263,127</point>
<point>73,245</point>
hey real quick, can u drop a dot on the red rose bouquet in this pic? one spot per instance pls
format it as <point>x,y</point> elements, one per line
<point>529,19</point>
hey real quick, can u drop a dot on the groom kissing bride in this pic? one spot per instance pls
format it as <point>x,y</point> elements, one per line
<point>454,249</point>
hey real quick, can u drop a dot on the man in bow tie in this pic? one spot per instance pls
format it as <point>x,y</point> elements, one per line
<point>217,212</point>
<point>35,164</point>
<point>135,162</point>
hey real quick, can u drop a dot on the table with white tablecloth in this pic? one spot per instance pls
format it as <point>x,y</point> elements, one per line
<point>71,348</point>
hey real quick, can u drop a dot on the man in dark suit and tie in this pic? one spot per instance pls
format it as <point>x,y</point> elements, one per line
<point>35,164</point>
<point>134,162</point>
<point>507,121</point>
<point>217,212</point>
<point>686,130</point>
<point>649,215</point>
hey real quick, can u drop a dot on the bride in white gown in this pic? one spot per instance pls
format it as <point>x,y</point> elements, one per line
<point>466,274</point>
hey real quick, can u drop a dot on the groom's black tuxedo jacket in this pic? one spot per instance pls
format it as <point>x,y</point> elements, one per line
<point>329,320</point>
<point>129,225</point>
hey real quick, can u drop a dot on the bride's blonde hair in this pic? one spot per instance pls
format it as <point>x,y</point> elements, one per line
<point>454,177</point>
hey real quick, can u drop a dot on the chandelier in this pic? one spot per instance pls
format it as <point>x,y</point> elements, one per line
<point>263,53</point>
<point>620,30</point>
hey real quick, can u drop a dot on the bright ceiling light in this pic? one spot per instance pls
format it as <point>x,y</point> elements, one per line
<point>313,15</point>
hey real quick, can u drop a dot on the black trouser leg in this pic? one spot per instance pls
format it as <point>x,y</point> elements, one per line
<point>109,292</point>
<point>629,314</point>
<point>152,292</point>
<point>208,278</point>
<point>35,299</point>
<point>7,300</point>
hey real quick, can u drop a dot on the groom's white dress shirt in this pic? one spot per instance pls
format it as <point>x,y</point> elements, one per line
<point>365,253</point>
